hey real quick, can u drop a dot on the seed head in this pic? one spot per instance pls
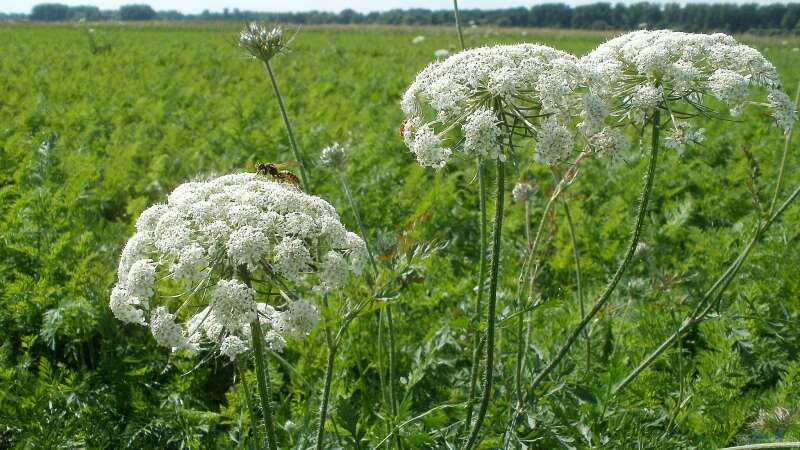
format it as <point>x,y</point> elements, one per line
<point>260,43</point>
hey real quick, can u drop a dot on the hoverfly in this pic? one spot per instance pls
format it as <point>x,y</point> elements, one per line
<point>277,171</point>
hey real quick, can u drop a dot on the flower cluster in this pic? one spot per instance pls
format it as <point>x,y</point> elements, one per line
<point>208,239</point>
<point>523,191</point>
<point>260,42</point>
<point>473,101</point>
<point>680,72</point>
<point>333,156</point>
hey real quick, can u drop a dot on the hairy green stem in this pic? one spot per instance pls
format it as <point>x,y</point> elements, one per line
<point>601,301</point>
<point>262,370</point>
<point>248,399</point>
<point>476,335</point>
<point>359,223</point>
<point>323,407</point>
<point>488,378</point>
<point>706,302</point>
<point>264,389</point>
<point>458,24</point>
<point>295,148</point>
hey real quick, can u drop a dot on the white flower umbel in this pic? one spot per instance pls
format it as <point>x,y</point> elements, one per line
<point>185,272</point>
<point>473,101</point>
<point>333,156</point>
<point>523,191</point>
<point>679,73</point>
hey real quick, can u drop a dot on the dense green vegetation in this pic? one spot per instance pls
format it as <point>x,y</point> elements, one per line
<point>95,127</point>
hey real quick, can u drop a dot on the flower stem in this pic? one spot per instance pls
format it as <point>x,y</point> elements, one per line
<point>392,397</point>
<point>786,144</point>
<point>576,256</point>
<point>719,287</point>
<point>295,149</point>
<point>458,24</point>
<point>488,379</point>
<point>248,398</point>
<point>601,301</point>
<point>359,223</point>
<point>264,389</point>
<point>476,336</point>
<point>323,408</point>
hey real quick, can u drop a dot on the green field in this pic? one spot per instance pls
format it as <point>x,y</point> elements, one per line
<point>88,140</point>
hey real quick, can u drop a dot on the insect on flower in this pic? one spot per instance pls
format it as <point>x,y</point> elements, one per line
<point>276,171</point>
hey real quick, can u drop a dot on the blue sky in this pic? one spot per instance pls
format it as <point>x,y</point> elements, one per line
<point>195,6</point>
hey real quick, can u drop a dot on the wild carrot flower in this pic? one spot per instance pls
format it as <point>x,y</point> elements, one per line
<point>680,73</point>
<point>472,102</point>
<point>197,245</point>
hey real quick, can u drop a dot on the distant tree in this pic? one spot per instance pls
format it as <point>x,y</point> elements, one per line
<point>50,12</point>
<point>136,12</point>
<point>91,13</point>
<point>553,15</point>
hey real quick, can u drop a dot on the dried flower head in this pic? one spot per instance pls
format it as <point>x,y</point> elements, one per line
<point>523,191</point>
<point>185,272</point>
<point>680,73</point>
<point>260,42</point>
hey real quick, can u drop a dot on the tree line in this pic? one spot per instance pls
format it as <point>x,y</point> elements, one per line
<point>695,17</point>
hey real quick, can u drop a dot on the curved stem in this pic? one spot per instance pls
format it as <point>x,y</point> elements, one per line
<point>488,379</point>
<point>722,283</point>
<point>601,301</point>
<point>476,336</point>
<point>359,223</point>
<point>458,24</point>
<point>786,143</point>
<point>326,390</point>
<point>295,149</point>
<point>264,389</point>
<point>773,445</point>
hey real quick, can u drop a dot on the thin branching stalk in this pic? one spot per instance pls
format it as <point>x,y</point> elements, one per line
<point>389,321</point>
<point>323,407</point>
<point>709,299</point>
<point>576,256</point>
<point>295,149</point>
<point>476,335</point>
<point>786,144</point>
<point>601,301</point>
<point>240,369</point>
<point>488,376</point>
<point>531,273</point>
<point>458,24</point>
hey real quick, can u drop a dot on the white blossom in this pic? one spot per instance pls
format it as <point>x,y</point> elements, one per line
<point>554,143</point>
<point>663,67</point>
<point>462,98</point>
<point>206,238</point>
